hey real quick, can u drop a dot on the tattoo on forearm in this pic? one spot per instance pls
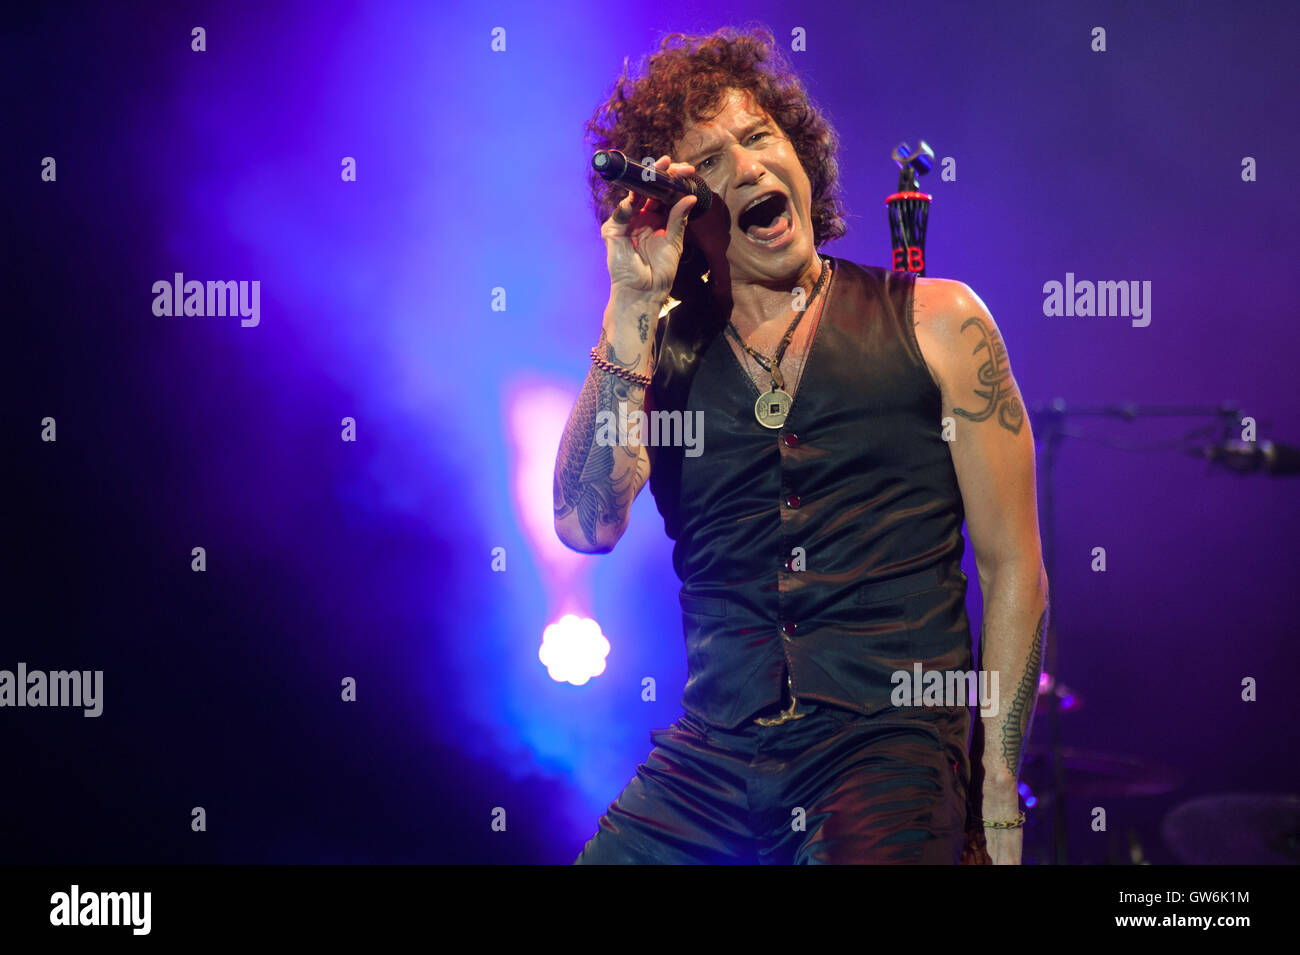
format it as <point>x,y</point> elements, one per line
<point>999,392</point>
<point>585,471</point>
<point>1015,727</point>
<point>643,325</point>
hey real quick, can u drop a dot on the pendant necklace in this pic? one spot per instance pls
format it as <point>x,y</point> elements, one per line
<point>772,407</point>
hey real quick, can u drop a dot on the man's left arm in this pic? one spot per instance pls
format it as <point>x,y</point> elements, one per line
<point>993,456</point>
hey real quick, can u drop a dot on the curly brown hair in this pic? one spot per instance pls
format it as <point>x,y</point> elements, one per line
<point>686,81</point>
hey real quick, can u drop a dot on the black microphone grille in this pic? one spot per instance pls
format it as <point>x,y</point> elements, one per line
<point>703,195</point>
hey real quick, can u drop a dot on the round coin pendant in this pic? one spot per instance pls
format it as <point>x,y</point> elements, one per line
<point>771,408</point>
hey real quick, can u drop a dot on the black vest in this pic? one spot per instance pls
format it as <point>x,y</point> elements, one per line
<point>859,478</point>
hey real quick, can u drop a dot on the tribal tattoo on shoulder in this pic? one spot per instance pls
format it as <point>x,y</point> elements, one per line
<point>1016,725</point>
<point>998,390</point>
<point>585,469</point>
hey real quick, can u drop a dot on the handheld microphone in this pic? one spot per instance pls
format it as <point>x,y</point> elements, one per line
<point>612,166</point>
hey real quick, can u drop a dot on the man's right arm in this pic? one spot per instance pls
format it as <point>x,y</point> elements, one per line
<point>596,480</point>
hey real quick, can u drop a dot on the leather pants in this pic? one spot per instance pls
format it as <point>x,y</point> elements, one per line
<point>829,787</point>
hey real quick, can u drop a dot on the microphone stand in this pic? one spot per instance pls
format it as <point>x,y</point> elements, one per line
<point>1053,417</point>
<point>909,208</point>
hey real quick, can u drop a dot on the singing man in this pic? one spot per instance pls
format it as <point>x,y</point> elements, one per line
<point>853,417</point>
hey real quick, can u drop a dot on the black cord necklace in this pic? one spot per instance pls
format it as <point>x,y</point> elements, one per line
<point>772,407</point>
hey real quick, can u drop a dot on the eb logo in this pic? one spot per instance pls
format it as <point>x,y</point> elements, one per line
<point>913,256</point>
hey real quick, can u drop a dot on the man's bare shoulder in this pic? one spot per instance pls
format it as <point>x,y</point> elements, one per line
<point>940,306</point>
<point>950,320</point>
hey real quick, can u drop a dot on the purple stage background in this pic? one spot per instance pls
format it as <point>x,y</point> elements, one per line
<point>373,559</point>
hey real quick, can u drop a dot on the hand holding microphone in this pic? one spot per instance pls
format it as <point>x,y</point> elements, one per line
<point>646,234</point>
<point>643,244</point>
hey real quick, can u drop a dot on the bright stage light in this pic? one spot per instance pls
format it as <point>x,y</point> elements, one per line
<point>573,650</point>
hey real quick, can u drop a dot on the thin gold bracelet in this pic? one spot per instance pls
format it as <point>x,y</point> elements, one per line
<point>1015,824</point>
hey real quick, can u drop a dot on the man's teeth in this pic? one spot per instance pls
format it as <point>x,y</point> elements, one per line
<point>758,200</point>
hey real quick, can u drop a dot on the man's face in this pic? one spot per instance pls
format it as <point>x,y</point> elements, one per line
<point>743,155</point>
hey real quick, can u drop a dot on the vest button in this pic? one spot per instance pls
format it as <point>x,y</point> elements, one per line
<point>791,439</point>
<point>792,500</point>
<point>789,627</point>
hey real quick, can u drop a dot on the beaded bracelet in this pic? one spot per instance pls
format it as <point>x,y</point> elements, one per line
<point>614,369</point>
<point>1016,824</point>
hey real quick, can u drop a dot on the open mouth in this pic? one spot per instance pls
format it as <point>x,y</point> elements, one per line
<point>767,221</point>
